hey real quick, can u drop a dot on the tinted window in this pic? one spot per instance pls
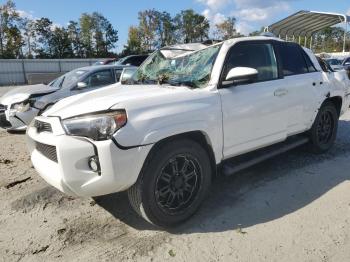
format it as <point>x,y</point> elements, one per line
<point>310,66</point>
<point>127,61</point>
<point>140,60</point>
<point>101,78</point>
<point>260,56</point>
<point>293,61</point>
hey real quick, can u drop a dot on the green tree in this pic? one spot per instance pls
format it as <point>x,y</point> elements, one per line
<point>148,24</point>
<point>98,37</point>
<point>10,35</point>
<point>329,39</point>
<point>74,33</point>
<point>61,44</point>
<point>191,27</point>
<point>86,34</point>
<point>43,32</point>
<point>105,35</point>
<point>27,27</point>
<point>165,29</point>
<point>226,29</point>
<point>134,45</point>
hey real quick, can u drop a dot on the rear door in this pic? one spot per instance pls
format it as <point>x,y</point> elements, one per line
<point>303,85</point>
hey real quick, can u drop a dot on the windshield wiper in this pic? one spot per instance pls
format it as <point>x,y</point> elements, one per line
<point>188,83</point>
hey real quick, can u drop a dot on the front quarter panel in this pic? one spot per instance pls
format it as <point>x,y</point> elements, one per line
<point>154,119</point>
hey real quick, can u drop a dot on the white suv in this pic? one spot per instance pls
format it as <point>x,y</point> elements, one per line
<point>188,112</point>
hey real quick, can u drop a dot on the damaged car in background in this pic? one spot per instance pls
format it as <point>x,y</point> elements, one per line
<point>19,106</point>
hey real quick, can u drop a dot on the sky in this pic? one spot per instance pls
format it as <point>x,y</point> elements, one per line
<point>250,14</point>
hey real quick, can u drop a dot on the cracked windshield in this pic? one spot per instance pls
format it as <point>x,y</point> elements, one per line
<point>192,70</point>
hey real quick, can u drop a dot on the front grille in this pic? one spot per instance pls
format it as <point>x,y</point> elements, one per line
<point>47,151</point>
<point>42,126</point>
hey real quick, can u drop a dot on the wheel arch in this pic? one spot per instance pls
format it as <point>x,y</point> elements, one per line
<point>337,101</point>
<point>198,136</point>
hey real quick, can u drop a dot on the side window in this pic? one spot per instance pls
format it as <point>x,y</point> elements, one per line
<point>128,61</point>
<point>293,61</point>
<point>310,66</point>
<point>140,60</point>
<point>260,56</point>
<point>101,78</point>
<point>117,73</point>
<point>135,61</point>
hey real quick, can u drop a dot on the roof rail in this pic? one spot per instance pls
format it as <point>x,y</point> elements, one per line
<point>211,41</point>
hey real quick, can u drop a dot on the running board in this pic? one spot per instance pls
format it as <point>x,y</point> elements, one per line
<point>239,163</point>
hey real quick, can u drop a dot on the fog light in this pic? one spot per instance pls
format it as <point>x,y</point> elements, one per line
<point>94,164</point>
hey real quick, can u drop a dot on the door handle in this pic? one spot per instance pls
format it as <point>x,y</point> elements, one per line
<point>280,92</point>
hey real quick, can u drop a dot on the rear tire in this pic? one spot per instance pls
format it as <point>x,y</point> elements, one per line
<point>324,130</point>
<point>173,183</point>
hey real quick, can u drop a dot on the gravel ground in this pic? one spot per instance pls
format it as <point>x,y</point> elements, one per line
<point>294,207</point>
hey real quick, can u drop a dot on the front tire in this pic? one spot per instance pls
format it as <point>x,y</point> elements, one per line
<point>324,130</point>
<point>173,183</point>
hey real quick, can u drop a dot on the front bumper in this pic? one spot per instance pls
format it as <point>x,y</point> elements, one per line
<point>17,121</point>
<point>71,174</point>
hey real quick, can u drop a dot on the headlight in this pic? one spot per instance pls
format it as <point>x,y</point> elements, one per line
<point>97,127</point>
<point>20,107</point>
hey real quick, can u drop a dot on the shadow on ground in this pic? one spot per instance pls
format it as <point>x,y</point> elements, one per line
<point>259,194</point>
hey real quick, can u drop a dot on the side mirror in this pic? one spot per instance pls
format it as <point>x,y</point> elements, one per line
<point>347,63</point>
<point>81,85</point>
<point>127,74</point>
<point>242,74</point>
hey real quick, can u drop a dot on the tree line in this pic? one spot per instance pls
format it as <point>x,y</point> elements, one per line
<point>93,35</point>
<point>22,37</point>
<point>158,29</point>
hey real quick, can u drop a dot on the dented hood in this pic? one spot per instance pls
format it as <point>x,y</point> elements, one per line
<point>20,94</point>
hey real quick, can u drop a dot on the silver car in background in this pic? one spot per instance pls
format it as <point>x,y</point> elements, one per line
<point>20,105</point>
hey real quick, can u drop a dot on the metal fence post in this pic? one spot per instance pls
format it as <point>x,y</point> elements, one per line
<point>24,72</point>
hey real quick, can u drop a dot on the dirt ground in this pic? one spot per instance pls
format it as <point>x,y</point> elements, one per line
<point>295,207</point>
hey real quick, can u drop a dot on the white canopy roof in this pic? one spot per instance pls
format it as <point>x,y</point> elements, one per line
<point>305,23</point>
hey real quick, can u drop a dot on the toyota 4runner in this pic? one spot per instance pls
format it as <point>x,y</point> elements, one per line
<point>188,113</point>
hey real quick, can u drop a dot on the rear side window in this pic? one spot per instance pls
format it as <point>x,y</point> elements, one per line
<point>293,61</point>
<point>260,56</point>
<point>310,66</point>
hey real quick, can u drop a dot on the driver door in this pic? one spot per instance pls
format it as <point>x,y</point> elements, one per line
<point>254,113</point>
